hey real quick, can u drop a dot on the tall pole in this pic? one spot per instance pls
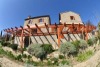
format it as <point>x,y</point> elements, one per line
<point>22,41</point>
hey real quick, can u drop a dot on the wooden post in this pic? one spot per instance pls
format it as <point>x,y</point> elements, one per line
<point>22,41</point>
<point>61,29</point>
<point>79,28</point>
<point>83,32</point>
<point>29,34</point>
<point>59,36</point>
<point>86,34</point>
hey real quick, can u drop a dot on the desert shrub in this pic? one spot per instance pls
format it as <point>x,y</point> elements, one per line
<point>2,41</point>
<point>54,61</point>
<point>84,56</point>
<point>47,48</point>
<point>24,55</point>
<point>29,56</point>
<point>61,57</point>
<point>37,51</point>
<point>24,49</point>
<point>67,48</point>
<point>83,44</point>
<point>49,63</point>
<point>31,63</point>
<point>2,52</point>
<point>94,39</point>
<point>76,44</point>
<point>10,55</point>
<point>19,57</point>
<point>5,43</point>
<point>90,42</point>
<point>14,46</point>
<point>98,36</point>
<point>65,62</point>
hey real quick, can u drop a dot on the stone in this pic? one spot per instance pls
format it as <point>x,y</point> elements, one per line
<point>35,59</point>
<point>53,55</point>
<point>25,52</point>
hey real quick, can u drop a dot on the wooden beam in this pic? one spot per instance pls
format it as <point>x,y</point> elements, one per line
<point>59,36</point>
<point>43,33</point>
<point>49,33</point>
<point>22,41</point>
<point>57,32</point>
<point>30,31</point>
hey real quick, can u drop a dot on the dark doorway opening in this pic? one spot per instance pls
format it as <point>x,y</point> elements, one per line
<point>27,41</point>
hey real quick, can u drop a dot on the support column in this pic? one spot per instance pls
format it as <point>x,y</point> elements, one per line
<point>22,41</point>
<point>86,37</point>
<point>86,34</point>
<point>29,36</point>
<point>59,36</point>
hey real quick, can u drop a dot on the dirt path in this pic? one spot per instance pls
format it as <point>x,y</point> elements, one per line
<point>94,61</point>
<point>5,62</point>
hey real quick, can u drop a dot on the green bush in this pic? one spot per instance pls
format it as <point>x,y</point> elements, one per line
<point>49,63</point>
<point>83,44</point>
<point>24,49</point>
<point>76,44</point>
<point>90,42</point>
<point>84,56</point>
<point>31,63</point>
<point>55,60</point>
<point>47,48</point>
<point>2,52</point>
<point>14,46</point>
<point>2,41</point>
<point>37,51</point>
<point>94,39</point>
<point>65,62</point>
<point>61,57</point>
<point>24,55</point>
<point>10,55</point>
<point>19,57</point>
<point>67,48</point>
<point>29,56</point>
<point>5,43</point>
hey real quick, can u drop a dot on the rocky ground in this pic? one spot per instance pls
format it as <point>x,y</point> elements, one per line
<point>94,61</point>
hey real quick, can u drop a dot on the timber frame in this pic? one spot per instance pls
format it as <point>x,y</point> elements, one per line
<point>71,29</point>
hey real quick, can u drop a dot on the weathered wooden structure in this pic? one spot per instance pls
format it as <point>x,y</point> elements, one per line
<point>71,29</point>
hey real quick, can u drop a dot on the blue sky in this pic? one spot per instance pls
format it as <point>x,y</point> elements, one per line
<point>13,12</point>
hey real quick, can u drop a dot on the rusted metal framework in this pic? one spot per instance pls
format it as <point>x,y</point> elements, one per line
<point>70,29</point>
